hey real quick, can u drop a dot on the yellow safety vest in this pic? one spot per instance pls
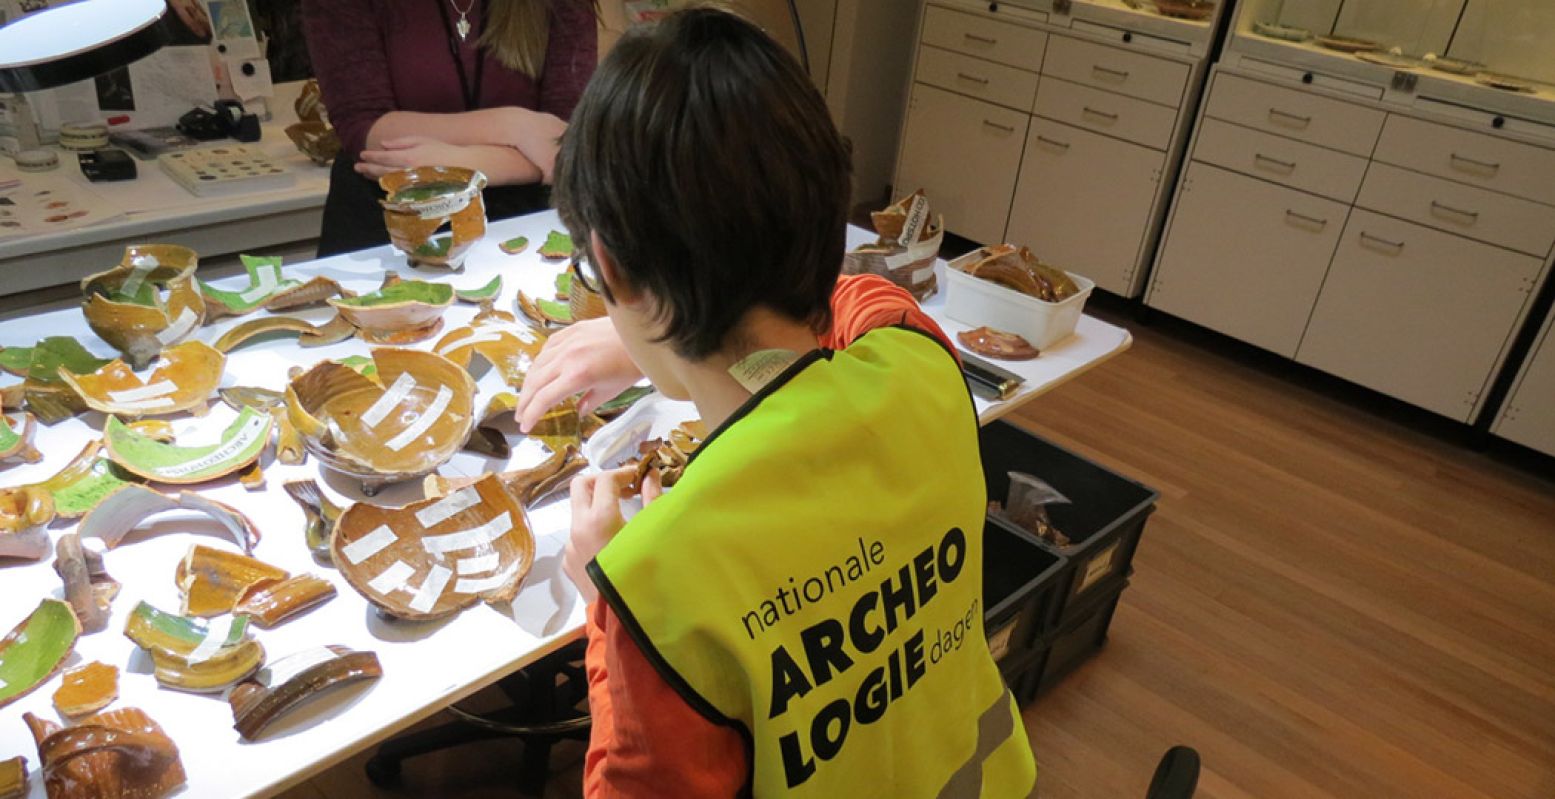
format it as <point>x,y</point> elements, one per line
<point>814,581</point>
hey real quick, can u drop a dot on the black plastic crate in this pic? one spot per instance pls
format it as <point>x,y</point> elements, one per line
<point>1080,637</point>
<point>1104,521</point>
<point>1020,592</point>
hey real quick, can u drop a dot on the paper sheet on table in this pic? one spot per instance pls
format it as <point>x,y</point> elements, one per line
<point>49,203</point>
<point>170,82</point>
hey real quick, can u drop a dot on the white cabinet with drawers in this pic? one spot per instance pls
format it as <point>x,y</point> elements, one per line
<point>1387,246</point>
<point>1528,416</point>
<point>1104,97</point>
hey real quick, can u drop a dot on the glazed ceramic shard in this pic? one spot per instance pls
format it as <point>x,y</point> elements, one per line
<point>560,427</point>
<point>405,420</point>
<point>13,778</point>
<point>482,294</point>
<point>401,312</point>
<point>148,302</point>
<point>264,280</point>
<point>668,458</point>
<point>500,339</point>
<point>16,438</point>
<point>87,585</point>
<point>120,754</point>
<point>319,513</point>
<point>529,486</point>
<point>240,445</point>
<point>998,344</point>
<point>582,303</point>
<point>544,312</point>
<point>197,655</point>
<point>36,648</point>
<point>183,379</point>
<point>515,245</point>
<point>289,682</point>
<point>288,444</point>
<point>211,581</point>
<point>620,403</point>
<point>46,393</point>
<point>1020,270</point>
<point>124,510</point>
<point>271,604</point>
<point>25,507</point>
<point>87,689</point>
<point>15,360</point>
<point>317,140</point>
<point>436,557</point>
<point>421,200</point>
<point>84,482</point>
<point>558,245</point>
<point>254,328</point>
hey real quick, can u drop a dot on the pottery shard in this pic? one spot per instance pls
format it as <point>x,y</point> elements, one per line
<point>121,754</point>
<point>87,689</point>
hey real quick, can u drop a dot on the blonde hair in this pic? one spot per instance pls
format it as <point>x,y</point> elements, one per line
<point>517,32</point>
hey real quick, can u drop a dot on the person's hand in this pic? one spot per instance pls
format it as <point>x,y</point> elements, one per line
<point>596,518</point>
<point>405,152</point>
<point>586,357</point>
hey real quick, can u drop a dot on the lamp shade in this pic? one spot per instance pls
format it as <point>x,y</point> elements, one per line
<point>78,40</point>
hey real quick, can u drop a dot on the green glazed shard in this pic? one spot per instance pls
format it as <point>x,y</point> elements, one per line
<point>557,245</point>
<point>486,292</point>
<point>403,291</point>
<point>48,395</point>
<point>435,248</point>
<point>264,282</point>
<point>514,246</point>
<point>151,628</point>
<point>364,366</point>
<point>240,445</point>
<point>622,401</point>
<point>16,360</point>
<point>76,494</point>
<point>36,649</point>
<point>559,311</point>
<point>10,440</point>
<point>564,284</point>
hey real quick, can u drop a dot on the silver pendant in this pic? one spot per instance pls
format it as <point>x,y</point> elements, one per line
<point>462,27</point>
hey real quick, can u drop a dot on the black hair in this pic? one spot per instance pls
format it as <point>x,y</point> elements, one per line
<point>707,163</point>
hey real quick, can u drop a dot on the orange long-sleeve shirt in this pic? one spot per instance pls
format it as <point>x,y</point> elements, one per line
<point>647,741</point>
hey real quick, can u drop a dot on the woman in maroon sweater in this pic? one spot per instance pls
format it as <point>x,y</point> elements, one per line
<point>486,84</point>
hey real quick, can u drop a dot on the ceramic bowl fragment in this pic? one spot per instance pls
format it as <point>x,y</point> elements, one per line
<point>87,585</point>
<point>87,689</point>
<point>500,339</point>
<point>272,604</point>
<point>438,556</point>
<point>544,312</point>
<point>1020,270</point>
<point>183,379</point>
<point>148,302</point>
<point>16,438</point>
<point>319,513</point>
<point>558,245</point>
<point>36,648</point>
<point>264,281</point>
<point>288,443</point>
<point>87,480</point>
<point>529,486</point>
<point>515,245</point>
<point>909,238</point>
<point>119,754</point>
<point>211,581</point>
<point>241,444</point>
<point>998,344</point>
<point>410,416</point>
<point>309,335</point>
<point>125,509</point>
<point>13,778</point>
<point>46,393</point>
<point>480,294</point>
<point>401,312</point>
<point>421,200</point>
<point>24,509</point>
<point>290,681</point>
<point>197,655</point>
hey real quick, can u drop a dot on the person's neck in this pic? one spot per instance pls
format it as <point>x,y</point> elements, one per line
<point>714,389</point>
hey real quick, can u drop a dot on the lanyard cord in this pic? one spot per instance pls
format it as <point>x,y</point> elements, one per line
<point>472,94</point>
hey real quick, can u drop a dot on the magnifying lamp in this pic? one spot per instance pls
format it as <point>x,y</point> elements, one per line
<point>78,40</point>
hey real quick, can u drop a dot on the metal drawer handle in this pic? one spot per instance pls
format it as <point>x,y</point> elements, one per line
<point>1288,166</point>
<point>972,78</point>
<point>1472,216</point>
<point>1487,165</point>
<point>1276,115</point>
<point>992,124</point>
<point>1120,74</point>
<point>1102,114</point>
<point>1311,220</point>
<point>1054,142</point>
<point>1396,245</point>
<point>984,39</point>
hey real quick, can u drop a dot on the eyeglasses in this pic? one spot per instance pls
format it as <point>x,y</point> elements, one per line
<point>576,268</point>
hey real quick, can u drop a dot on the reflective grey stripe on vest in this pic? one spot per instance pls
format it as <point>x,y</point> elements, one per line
<point>994,727</point>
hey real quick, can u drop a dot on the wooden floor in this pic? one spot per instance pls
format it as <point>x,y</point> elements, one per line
<point>1328,602</point>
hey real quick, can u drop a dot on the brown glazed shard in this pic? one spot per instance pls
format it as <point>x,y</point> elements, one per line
<point>212,581</point>
<point>87,689</point>
<point>273,603</point>
<point>13,778</point>
<point>88,588</point>
<point>998,344</point>
<point>293,680</point>
<point>120,754</point>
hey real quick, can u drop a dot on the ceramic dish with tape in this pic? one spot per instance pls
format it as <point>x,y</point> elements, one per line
<point>149,301</point>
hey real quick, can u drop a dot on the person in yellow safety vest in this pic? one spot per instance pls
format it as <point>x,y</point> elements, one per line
<point>812,584</point>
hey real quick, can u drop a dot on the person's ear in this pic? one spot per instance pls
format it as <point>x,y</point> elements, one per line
<point>610,272</point>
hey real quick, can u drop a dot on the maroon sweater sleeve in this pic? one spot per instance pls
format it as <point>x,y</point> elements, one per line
<point>570,56</point>
<point>346,45</point>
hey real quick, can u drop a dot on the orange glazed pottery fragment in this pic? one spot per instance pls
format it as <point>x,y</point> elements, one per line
<point>409,417</point>
<point>24,510</point>
<point>198,655</point>
<point>270,604</point>
<point>436,557</point>
<point>283,685</point>
<point>183,379</point>
<point>120,754</point>
<point>13,778</point>
<point>421,200</point>
<point>87,689</point>
<point>148,302</point>
<point>497,337</point>
<point>212,581</point>
<point>16,438</point>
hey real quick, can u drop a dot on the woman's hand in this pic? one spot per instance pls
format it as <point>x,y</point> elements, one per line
<point>596,518</point>
<point>535,134</point>
<point>586,357</point>
<point>405,152</point>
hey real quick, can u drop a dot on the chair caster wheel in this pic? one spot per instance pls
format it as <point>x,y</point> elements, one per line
<point>384,773</point>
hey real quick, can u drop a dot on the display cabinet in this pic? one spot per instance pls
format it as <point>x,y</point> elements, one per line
<point>1383,215</point>
<point>1528,415</point>
<point>1057,125</point>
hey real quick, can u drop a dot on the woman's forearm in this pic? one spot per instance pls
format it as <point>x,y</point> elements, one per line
<point>502,166</point>
<point>483,126</point>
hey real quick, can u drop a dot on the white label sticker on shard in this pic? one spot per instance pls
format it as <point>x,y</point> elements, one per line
<point>180,327</point>
<point>471,538</point>
<point>393,578</point>
<point>369,545</point>
<point>286,669</point>
<point>216,634</point>
<point>269,276</point>
<point>431,588</point>
<point>398,391</point>
<point>161,388</point>
<point>475,585</point>
<point>140,267</point>
<point>480,564</point>
<point>438,512</point>
<point>423,422</point>
<point>245,438</point>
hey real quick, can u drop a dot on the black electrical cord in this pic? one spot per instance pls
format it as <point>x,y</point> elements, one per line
<point>804,52</point>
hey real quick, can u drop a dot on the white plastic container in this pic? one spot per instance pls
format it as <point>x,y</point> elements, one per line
<point>978,302</point>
